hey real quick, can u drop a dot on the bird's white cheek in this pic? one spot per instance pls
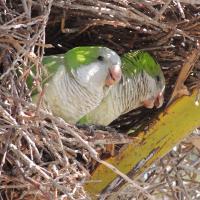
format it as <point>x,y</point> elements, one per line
<point>92,76</point>
<point>85,74</point>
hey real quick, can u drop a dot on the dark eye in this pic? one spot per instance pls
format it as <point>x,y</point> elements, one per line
<point>158,78</point>
<point>100,58</point>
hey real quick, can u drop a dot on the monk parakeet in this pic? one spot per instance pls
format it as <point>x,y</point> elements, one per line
<point>79,80</point>
<point>142,84</point>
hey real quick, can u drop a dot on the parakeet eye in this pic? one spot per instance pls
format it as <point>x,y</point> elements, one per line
<point>158,78</point>
<point>100,58</point>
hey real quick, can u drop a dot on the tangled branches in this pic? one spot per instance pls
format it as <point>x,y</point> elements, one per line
<point>41,156</point>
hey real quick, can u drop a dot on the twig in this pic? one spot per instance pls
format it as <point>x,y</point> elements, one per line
<point>180,9</point>
<point>34,167</point>
<point>94,154</point>
<point>125,177</point>
<point>184,73</point>
<point>162,10</point>
<point>22,132</point>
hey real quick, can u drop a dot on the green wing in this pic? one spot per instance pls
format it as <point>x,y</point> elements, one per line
<point>50,66</point>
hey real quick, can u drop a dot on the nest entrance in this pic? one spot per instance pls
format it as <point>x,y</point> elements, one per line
<point>40,154</point>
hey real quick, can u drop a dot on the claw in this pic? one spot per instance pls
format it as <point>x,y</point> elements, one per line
<point>157,101</point>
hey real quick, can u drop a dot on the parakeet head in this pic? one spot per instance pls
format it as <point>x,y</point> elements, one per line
<point>152,78</point>
<point>94,66</point>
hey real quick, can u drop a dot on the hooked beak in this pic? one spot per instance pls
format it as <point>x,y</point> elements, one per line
<point>157,101</point>
<point>114,75</point>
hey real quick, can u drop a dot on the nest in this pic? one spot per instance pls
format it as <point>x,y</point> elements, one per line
<point>43,157</point>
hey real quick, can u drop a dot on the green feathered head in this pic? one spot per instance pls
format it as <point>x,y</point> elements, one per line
<point>78,56</point>
<point>138,61</point>
<point>73,58</point>
<point>91,66</point>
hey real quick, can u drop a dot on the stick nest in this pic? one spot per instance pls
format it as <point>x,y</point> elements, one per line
<point>41,156</point>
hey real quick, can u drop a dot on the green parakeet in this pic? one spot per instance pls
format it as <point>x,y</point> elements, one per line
<point>142,84</point>
<point>79,80</point>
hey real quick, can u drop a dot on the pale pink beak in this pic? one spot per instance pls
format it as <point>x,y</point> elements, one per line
<point>157,101</point>
<point>114,76</point>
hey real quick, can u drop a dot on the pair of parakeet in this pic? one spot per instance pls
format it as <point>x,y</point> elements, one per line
<point>94,85</point>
